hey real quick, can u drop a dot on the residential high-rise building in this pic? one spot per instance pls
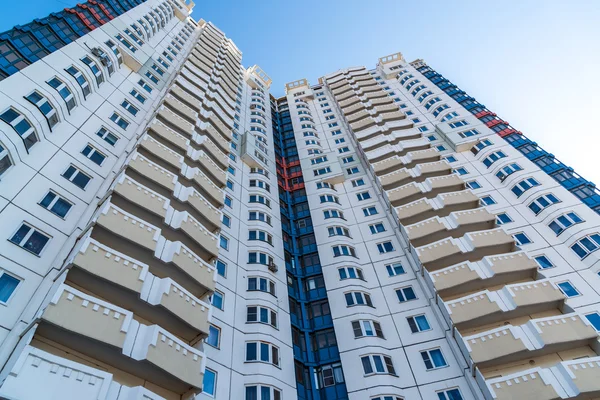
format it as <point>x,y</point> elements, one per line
<point>174,231</point>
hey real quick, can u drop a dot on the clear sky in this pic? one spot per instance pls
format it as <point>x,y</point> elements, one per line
<point>534,63</point>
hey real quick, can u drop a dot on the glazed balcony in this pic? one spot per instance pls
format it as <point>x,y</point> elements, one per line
<point>168,134</point>
<point>110,334</point>
<point>471,247</point>
<point>161,301</point>
<point>185,127</point>
<point>141,196</point>
<point>212,133</point>
<point>152,171</point>
<point>208,166</point>
<point>469,277</point>
<point>493,307</point>
<point>535,338</point>
<point>181,108</point>
<point>161,151</point>
<point>455,225</point>
<point>211,214</point>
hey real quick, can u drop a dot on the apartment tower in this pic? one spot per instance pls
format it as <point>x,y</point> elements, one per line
<point>174,231</point>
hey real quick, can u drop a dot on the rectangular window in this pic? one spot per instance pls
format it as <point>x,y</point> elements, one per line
<point>30,239</point>
<point>107,136</point>
<point>568,289</point>
<point>450,394</point>
<point>503,218</point>
<point>77,177</point>
<point>395,269</point>
<point>93,154</point>
<point>433,359</point>
<point>418,323</point>
<point>209,382</point>
<point>45,108</point>
<point>83,83</point>
<point>406,294</point>
<point>120,121</point>
<point>8,285</point>
<point>544,262</point>
<point>217,299</point>
<point>214,336</point>
<point>586,245</point>
<point>224,242</point>
<point>521,239</point>
<point>94,68</point>
<point>20,125</point>
<point>385,247</point>
<point>56,204</point>
<point>129,107</point>
<point>64,92</point>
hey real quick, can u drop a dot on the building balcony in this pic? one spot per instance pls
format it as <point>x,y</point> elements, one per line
<point>162,152</point>
<point>357,115</point>
<point>341,89</point>
<point>152,171</point>
<point>110,334</point>
<point>377,94</point>
<point>212,133</point>
<point>429,188</point>
<point>208,166</point>
<point>472,246</point>
<point>392,116</point>
<point>190,100</point>
<point>195,230</point>
<point>213,193</point>
<point>201,276</point>
<point>168,134</point>
<point>441,206</point>
<point>401,149</point>
<point>211,215</point>
<point>344,96</point>
<point>191,77</point>
<point>513,301</point>
<point>162,301</point>
<point>180,108</point>
<point>380,101</point>
<point>211,148</point>
<point>348,102</point>
<point>535,338</point>
<point>337,84</point>
<point>363,124</point>
<point>353,108</point>
<point>368,88</point>
<point>223,130</point>
<point>184,126</point>
<point>455,225</point>
<point>141,196</point>
<point>386,108</point>
<point>536,383</point>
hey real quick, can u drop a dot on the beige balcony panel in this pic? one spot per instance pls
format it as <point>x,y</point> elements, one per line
<point>388,165</point>
<point>202,273</point>
<point>538,384</point>
<point>153,171</point>
<point>435,168</point>
<point>210,168</point>
<point>357,116</point>
<point>337,84</point>
<point>204,207</point>
<point>364,124</point>
<point>476,219</point>
<point>221,128</point>
<point>386,108</point>
<point>536,295</point>
<point>369,88</point>
<point>375,95</point>
<point>170,135</point>
<point>216,137</point>
<point>202,236</point>
<point>128,226</point>
<point>474,309</point>
<point>438,251</point>
<point>163,152</point>
<point>346,95</point>
<point>558,330</point>
<point>341,90</point>
<point>180,108</point>
<point>584,374</point>
<point>193,75</point>
<point>185,126</point>
<point>446,183</point>
<point>211,189</point>
<point>494,238</point>
<point>392,116</point>
<point>185,96</point>
<point>348,102</point>
<point>450,280</point>
<point>210,147</point>
<point>420,209</point>
<point>208,48</point>
<point>353,108</point>
<point>395,179</point>
<point>511,263</point>
<point>381,100</point>
<point>405,194</point>
<point>85,315</point>
<point>141,196</point>
<point>427,231</point>
<point>491,347</point>
<point>464,198</point>
<point>164,350</point>
<point>100,260</point>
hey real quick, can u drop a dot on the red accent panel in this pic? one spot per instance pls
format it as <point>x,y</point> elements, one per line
<point>94,13</point>
<point>103,8</point>
<point>82,17</point>
<point>484,113</point>
<point>508,131</point>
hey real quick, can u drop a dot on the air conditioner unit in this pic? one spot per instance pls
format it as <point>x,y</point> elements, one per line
<point>273,267</point>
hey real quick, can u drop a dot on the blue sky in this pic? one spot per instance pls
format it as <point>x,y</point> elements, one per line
<point>532,62</point>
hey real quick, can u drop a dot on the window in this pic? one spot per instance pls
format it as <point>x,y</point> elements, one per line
<point>8,285</point>
<point>30,239</point>
<point>493,157</point>
<point>145,86</point>
<point>129,107</point>
<point>93,154</point>
<point>586,245</point>
<point>95,70</point>
<point>458,124</point>
<point>262,285</point>
<point>524,186</point>
<point>328,198</point>
<point>120,121</point>
<point>126,43</point>
<point>322,171</point>
<point>331,374</point>
<point>83,83</point>
<point>358,182</point>
<point>255,257</point>
<point>387,398</point>
<point>230,184</point>
<point>351,273</point>
<point>352,171</point>
<point>469,133</point>
<point>259,216</point>
<point>433,359</point>
<point>563,222</point>
<point>474,185</point>
<point>367,328</point>
<point>263,315</point>
<point>544,262</point>
<point>450,159</point>
<point>217,299</point>
<point>64,92</point>
<point>75,176</point>
<point>542,202</point>
<point>136,95</point>
<point>5,161</point>
<point>440,148</point>
<point>594,318</point>
<point>377,228</point>
<point>395,269</point>
<point>255,198</point>
<point>449,394</point>
<point>406,294</point>
<point>55,204</point>
<point>262,352</point>
<point>358,299</point>
<point>377,364</point>
<point>45,108</point>
<point>521,239</point>
<point>209,382</point>
<point>425,129</point>
<point>260,235</point>
<point>363,196</point>
<point>266,393</point>
<point>343,250</point>
<point>327,214</point>
<point>504,172</point>
<point>228,201</point>
<point>488,200</point>
<point>224,242</point>
<point>338,231</point>
<point>461,171</point>
<point>503,218</point>
<point>370,211</point>
<point>568,289</point>
<point>480,146</point>
<point>20,125</point>
<point>214,336</point>
<point>107,136</point>
<point>385,247</point>
<point>418,323</point>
